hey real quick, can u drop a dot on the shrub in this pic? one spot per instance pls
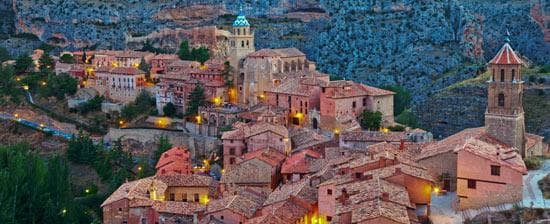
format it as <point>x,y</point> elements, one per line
<point>532,163</point>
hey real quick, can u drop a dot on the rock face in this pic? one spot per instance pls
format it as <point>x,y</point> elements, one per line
<point>424,45</point>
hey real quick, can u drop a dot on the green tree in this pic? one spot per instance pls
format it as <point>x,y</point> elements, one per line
<point>184,52</point>
<point>46,63</point>
<point>402,98</point>
<point>91,105</point>
<point>407,118</point>
<point>196,99</point>
<point>371,120</point>
<point>82,149</point>
<point>8,83</point>
<point>59,86</point>
<point>67,58</point>
<point>143,104</point>
<point>143,66</point>
<point>4,55</point>
<point>201,54</point>
<point>227,74</point>
<point>23,63</point>
<point>169,110</point>
<point>30,183</point>
<point>163,146</point>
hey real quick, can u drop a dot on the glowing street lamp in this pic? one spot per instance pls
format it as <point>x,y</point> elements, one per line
<point>42,125</point>
<point>25,87</point>
<point>16,115</point>
<point>43,83</point>
<point>198,118</point>
<point>17,79</point>
<point>87,191</point>
<point>217,101</point>
<point>140,168</point>
<point>336,131</point>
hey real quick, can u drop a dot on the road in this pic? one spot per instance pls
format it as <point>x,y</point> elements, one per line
<point>32,124</point>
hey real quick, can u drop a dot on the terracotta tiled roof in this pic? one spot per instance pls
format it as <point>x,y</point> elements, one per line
<point>253,171</point>
<point>500,154</point>
<point>271,156</point>
<point>131,190</point>
<point>175,154</point>
<point>288,211</point>
<point>368,199</point>
<point>257,194</point>
<point>373,136</point>
<point>178,207</point>
<point>506,56</point>
<point>411,170</point>
<point>303,138</point>
<point>252,129</point>
<point>187,180</point>
<point>141,202</point>
<point>182,63</point>
<point>300,189</point>
<point>531,140</point>
<point>300,162</point>
<point>282,52</point>
<point>479,141</point>
<point>236,203</point>
<point>344,89</point>
<point>165,57</point>
<point>126,71</point>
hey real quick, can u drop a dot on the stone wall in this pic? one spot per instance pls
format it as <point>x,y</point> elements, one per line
<point>440,164</point>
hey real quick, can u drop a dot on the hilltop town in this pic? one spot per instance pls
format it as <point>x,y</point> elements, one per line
<point>224,132</point>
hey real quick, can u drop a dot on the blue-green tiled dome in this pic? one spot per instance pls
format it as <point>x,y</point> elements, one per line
<point>241,21</point>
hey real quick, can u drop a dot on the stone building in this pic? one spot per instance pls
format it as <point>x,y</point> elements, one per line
<point>160,62</point>
<point>182,77</point>
<point>121,84</point>
<point>216,117</point>
<point>264,69</point>
<point>346,98</point>
<point>160,199</point>
<point>299,95</point>
<point>251,137</point>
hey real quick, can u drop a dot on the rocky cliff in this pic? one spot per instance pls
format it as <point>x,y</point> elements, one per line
<point>424,45</point>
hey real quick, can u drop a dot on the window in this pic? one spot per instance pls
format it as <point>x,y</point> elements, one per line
<point>493,75</point>
<point>364,101</point>
<point>221,217</point>
<point>242,43</point>
<point>329,218</point>
<point>513,74</point>
<point>232,151</point>
<point>358,175</point>
<point>196,197</point>
<point>353,104</point>
<point>184,197</point>
<point>502,75</point>
<point>231,160</point>
<point>329,191</point>
<point>501,100</point>
<point>495,170</point>
<point>472,184</point>
<point>172,197</point>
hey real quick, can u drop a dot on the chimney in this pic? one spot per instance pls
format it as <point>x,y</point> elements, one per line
<point>402,144</point>
<point>385,196</point>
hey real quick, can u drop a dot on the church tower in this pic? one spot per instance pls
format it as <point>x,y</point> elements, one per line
<point>504,118</point>
<point>241,43</point>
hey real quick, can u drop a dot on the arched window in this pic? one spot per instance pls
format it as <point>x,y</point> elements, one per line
<point>493,75</point>
<point>242,43</point>
<point>502,75</point>
<point>244,31</point>
<point>501,99</point>
<point>238,31</point>
<point>513,75</point>
<point>247,44</point>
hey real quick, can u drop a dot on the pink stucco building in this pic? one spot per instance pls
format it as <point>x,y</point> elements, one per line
<point>175,160</point>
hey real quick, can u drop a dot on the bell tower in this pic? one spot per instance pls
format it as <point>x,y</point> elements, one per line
<point>241,43</point>
<point>504,118</point>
